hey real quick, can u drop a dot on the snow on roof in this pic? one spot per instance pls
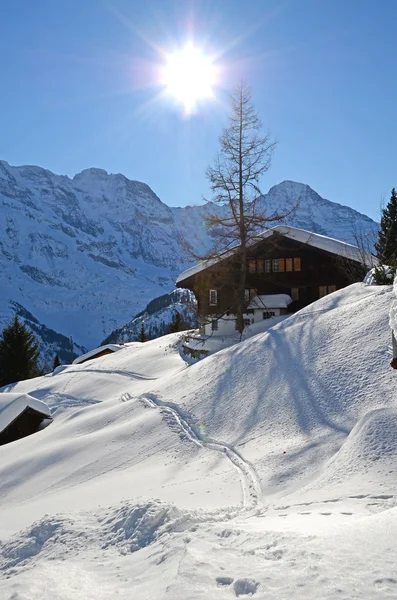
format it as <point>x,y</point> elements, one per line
<point>316,240</point>
<point>12,405</point>
<point>270,301</point>
<point>93,353</point>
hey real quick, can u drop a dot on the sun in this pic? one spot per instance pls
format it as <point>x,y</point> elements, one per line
<point>189,76</point>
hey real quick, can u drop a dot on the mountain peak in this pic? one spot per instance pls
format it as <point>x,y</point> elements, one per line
<point>92,172</point>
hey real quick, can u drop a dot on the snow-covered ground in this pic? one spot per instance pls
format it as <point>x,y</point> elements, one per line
<point>267,469</point>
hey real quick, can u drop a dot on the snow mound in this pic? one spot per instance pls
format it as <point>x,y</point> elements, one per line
<point>46,537</point>
<point>127,528</point>
<point>133,527</point>
<point>372,439</point>
<point>367,460</point>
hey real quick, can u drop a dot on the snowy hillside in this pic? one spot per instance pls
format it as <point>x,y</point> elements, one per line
<point>85,255</point>
<point>267,469</point>
<point>158,316</point>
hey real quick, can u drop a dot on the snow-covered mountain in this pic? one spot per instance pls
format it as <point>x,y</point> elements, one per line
<point>85,255</point>
<point>158,316</point>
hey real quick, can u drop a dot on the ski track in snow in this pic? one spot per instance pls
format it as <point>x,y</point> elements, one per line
<point>250,484</point>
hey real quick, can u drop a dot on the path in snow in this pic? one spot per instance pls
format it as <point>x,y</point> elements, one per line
<point>251,488</point>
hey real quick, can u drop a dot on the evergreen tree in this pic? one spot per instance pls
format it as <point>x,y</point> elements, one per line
<point>19,353</point>
<point>386,246</point>
<point>176,324</point>
<point>142,334</point>
<point>57,362</point>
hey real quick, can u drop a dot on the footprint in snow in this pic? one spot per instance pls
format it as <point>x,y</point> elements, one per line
<point>223,581</point>
<point>245,587</point>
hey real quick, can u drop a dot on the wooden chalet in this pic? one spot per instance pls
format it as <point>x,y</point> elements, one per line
<point>20,415</point>
<point>97,353</point>
<point>288,268</point>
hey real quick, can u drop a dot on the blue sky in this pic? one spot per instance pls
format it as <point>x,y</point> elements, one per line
<point>77,89</point>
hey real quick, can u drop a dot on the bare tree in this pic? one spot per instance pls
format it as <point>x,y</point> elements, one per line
<point>245,155</point>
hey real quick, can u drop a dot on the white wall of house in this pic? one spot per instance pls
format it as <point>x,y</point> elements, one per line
<point>226,325</point>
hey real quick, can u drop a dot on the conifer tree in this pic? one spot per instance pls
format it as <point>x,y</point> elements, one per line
<point>176,324</point>
<point>142,334</point>
<point>386,246</point>
<point>19,353</point>
<point>57,362</point>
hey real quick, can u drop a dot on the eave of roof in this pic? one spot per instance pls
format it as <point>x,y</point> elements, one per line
<point>315,240</point>
<point>95,351</point>
<point>12,405</point>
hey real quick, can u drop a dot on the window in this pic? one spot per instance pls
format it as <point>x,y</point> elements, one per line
<point>281,265</point>
<point>213,297</point>
<point>247,322</point>
<point>214,325</point>
<point>323,290</point>
<point>268,314</point>
<point>288,264</point>
<point>295,293</point>
<point>252,266</point>
<point>275,265</point>
<point>246,295</point>
<point>268,266</point>
<point>297,264</point>
<point>259,266</point>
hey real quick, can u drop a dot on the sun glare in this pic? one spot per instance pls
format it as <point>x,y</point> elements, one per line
<point>189,76</point>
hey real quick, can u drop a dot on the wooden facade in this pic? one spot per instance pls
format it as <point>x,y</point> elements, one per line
<point>26,423</point>
<point>276,264</point>
<point>104,352</point>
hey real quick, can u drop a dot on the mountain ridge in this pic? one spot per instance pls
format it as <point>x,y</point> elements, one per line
<point>86,254</point>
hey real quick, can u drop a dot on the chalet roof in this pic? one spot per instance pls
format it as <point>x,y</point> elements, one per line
<point>12,405</point>
<point>270,301</point>
<point>316,240</point>
<point>93,353</point>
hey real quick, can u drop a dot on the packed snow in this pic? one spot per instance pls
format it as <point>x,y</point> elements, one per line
<point>265,470</point>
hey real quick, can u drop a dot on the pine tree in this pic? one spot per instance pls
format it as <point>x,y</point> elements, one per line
<point>386,246</point>
<point>57,362</point>
<point>176,324</point>
<point>19,353</point>
<point>142,334</point>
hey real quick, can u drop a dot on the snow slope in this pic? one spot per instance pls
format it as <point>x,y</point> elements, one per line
<point>267,468</point>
